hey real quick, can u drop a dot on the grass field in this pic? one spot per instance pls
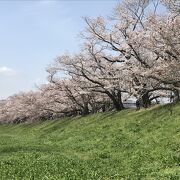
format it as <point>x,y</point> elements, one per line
<point>130,144</point>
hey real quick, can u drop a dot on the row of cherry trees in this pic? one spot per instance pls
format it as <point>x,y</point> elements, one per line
<point>134,53</point>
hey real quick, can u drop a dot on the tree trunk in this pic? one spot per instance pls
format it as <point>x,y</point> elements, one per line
<point>85,110</point>
<point>103,108</point>
<point>145,101</point>
<point>118,105</point>
<point>176,96</point>
<point>116,99</point>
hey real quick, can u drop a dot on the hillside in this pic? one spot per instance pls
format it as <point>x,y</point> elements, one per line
<point>130,144</point>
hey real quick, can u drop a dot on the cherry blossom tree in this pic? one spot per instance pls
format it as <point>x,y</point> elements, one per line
<point>95,74</point>
<point>130,35</point>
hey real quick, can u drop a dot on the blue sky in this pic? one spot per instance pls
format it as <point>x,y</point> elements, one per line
<point>33,33</point>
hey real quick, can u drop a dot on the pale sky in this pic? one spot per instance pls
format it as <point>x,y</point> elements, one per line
<point>34,32</point>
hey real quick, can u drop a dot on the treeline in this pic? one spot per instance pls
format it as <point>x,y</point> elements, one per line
<point>135,53</point>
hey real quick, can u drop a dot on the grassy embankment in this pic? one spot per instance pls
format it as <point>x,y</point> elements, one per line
<point>130,144</point>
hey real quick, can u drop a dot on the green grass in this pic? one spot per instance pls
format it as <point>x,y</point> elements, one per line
<point>130,144</point>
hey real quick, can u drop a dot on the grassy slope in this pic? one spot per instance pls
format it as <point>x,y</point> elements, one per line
<point>131,144</point>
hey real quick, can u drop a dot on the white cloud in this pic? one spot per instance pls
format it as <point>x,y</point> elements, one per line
<point>6,71</point>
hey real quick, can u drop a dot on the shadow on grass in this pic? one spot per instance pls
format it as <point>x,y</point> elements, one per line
<point>17,149</point>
